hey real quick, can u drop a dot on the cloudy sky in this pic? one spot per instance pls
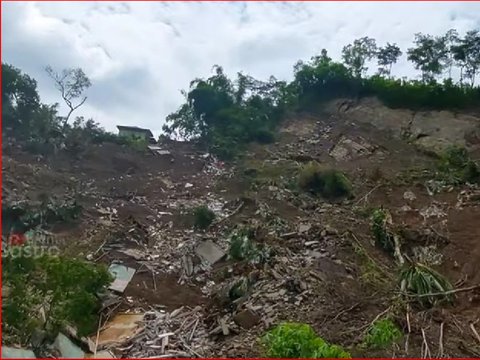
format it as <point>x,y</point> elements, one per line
<point>140,55</point>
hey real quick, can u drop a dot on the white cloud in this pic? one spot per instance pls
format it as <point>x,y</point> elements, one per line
<point>139,55</point>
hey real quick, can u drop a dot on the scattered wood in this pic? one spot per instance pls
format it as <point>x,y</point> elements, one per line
<point>440,341</point>
<point>446,292</point>
<point>472,326</point>
<point>425,348</point>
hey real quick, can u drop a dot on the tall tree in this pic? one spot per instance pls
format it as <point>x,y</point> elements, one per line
<point>357,54</point>
<point>19,97</point>
<point>71,83</point>
<point>467,55</point>
<point>387,56</point>
<point>430,55</point>
<point>451,40</point>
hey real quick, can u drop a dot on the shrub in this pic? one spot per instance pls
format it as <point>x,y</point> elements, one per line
<point>203,217</point>
<point>243,247</point>
<point>22,217</point>
<point>456,167</point>
<point>296,340</point>
<point>420,280</point>
<point>381,334</point>
<point>330,183</point>
<point>136,143</point>
<point>383,237</point>
<point>264,136</point>
<point>65,288</point>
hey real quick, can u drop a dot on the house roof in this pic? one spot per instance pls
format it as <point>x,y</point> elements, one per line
<point>135,128</point>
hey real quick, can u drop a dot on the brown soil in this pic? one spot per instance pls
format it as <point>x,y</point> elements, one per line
<point>153,215</point>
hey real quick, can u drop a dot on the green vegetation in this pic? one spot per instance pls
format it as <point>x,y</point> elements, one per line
<point>203,217</point>
<point>38,127</point>
<point>64,289</point>
<point>21,217</point>
<point>381,334</point>
<point>372,274</point>
<point>384,238</point>
<point>243,247</point>
<point>456,167</point>
<point>295,340</point>
<point>330,183</point>
<point>421,282</point>
<point>224,114</point>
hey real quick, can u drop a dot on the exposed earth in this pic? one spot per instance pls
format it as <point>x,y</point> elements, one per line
<point>137,212</point>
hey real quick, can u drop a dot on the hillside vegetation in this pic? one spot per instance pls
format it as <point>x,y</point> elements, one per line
<point>331,216</point>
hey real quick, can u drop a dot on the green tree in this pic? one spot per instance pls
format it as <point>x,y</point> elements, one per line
<point>466,52</point>
<point>451,40</point>
<point>430,55</point>
<point>71,83</point>
<point>387,56</point>
<point>20,99</point>
<point>357,54</point>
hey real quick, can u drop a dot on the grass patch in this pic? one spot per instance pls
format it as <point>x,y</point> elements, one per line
<point>382,334</point>
<point>203,217</point>
<point>296,340</point>
<point>372,274</point>
<point>420,280</point>
<point>330,183</point>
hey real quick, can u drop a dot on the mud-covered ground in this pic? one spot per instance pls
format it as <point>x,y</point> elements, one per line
<point>137,211</point>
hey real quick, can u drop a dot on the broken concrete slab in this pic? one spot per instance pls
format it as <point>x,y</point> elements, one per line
<point>14,353</point>
<point>122,275</point>
<point>302,228</point>
<point>121,328</point>
<point>67,348</point>
<point>210,252</point>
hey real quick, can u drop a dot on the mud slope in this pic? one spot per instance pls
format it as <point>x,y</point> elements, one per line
<point>137,211</point>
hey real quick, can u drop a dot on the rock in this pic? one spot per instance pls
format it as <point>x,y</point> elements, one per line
<point>246,319</point>
<point>188,185</point>
<point>409,195</point>
<point>302,228</point>
<point>330,230</point>
<point>210,252</point>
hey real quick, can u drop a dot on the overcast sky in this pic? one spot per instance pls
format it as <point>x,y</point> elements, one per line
<point>140,55</point>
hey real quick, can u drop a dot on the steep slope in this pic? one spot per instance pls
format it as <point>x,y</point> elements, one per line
<point>314,261</point>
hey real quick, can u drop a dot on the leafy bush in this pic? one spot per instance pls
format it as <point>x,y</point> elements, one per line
<point>420,281</point>
<point>383,237</point>
<point>330,183</point>
<point>381,334</point>
<point>295,340</point>
<point>456,167</point>
<point>64,288</point>
<point>203,217</point>
<point>264,136</point>
<point>21,217</point>
<point>243,247</point>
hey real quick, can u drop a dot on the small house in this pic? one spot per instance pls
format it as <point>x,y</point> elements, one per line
<point>134,131</point>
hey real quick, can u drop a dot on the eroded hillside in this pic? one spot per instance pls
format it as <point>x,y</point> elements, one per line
<point>274,252</point>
